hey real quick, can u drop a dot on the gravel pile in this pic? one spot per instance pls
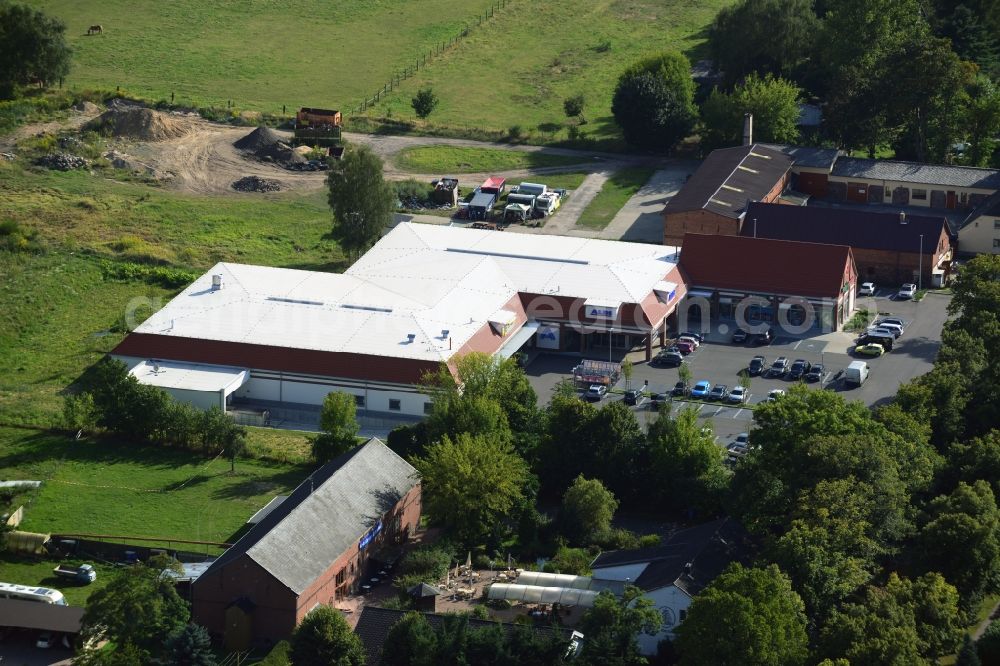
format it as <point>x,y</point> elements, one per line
<point>256,184</point>
<point>62,162</point>
<point>136,122</point>
<point>262,137</point>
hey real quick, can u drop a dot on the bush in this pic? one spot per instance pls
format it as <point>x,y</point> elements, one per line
<point>171,278</point>
<point>575,561</point>
<point>649,540</point>
<point>79,412</point>
<point>15,239</point>
<point>988,644</point>
<point>616,538</point>
<point>500,604</point>
<point>278,656</point>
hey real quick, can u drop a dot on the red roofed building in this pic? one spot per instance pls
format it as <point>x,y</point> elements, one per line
<point>801,286</point>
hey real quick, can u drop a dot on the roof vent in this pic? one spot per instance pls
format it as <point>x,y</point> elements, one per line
<point>216,281</point>
<point>410,337</point>
<point>444,333</point>
<point>902,217</point>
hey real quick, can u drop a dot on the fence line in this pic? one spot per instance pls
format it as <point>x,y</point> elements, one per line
<point>421,61</point>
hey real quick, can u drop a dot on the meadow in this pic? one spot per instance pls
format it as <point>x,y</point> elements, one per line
<point>513,71</point>
<point>452,159</point>
<point>617,190</point>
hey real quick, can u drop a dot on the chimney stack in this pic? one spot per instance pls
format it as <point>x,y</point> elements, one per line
<point>747,129</point>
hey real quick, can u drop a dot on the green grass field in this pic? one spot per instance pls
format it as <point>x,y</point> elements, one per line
<point>618,189</point>
<point>34,571</point>
<point>116,488</point>
<point>451,159</point>
<point>257,53</point>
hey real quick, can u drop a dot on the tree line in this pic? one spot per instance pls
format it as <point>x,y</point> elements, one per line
<point>915,77</point>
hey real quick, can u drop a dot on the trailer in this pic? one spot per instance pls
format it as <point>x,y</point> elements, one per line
<point>524,199</point>
<point>535,189</point>
<point>481,205</point>
<point>494,185</point>
<point>605,373</point>
<point>546,204</point>
<point>317,127</point>
<point>82,574</point>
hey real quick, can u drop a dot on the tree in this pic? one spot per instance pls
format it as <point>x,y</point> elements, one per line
<point>587,509</point>
<point>960,538</point>
<point>573,107</point>
<point>79,412</point>
<point>424,102</point>
<point>140,605</point>
<point>684,373</point>
<point>627,371</point>
<point>653,102</point>
<point>988,645</point>
<point>32,48</point>
<point>685,463</point>
<point>361,201</point>
<point>189,646</point>
<point>981,121</point>
<point>902,623</point>
<point>612,625</point>
<point>340,427</point>
<point>410,642</point>
<point>762,37</point>
<point>471,484</point>
<point>773,102</point>
<point>324,638</point>
<point>764,619</point>
<point>971,38</point>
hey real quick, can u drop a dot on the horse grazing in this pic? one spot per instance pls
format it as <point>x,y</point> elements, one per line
<point>95,30</point>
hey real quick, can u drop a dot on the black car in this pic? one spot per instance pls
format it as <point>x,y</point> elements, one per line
<point>658,399</point>
<point>740,336</point>
<point>799,368</point>
<point>816,373</point>
<point>764,337</point>
<point>757,365</point>
<point>632,397</point>
<point>681,389</point>
<point>669,357</point>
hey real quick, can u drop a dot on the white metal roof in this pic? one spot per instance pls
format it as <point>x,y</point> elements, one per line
<point>419,280</point>
<point>190,376</point>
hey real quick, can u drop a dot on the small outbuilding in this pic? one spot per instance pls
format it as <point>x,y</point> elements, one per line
<point>424,597</point>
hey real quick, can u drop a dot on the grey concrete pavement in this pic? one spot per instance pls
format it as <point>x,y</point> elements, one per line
<point>640,218</point>
<point>564,220</point>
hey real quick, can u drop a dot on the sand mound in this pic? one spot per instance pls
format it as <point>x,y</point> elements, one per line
<point>262,137</point>
<point>88,108</point>
<point>139,123</point>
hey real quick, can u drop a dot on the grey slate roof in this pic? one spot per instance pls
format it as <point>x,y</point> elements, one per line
<point>804,156</point>
<point>990,206</point>
<point>917,173</point>
<point>856,227</point>
<point>729,178</point>
<point>374,624</point>
<point>709,548</point>
<point>325,515</point>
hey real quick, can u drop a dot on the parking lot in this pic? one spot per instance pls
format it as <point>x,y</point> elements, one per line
<point>718,361</point>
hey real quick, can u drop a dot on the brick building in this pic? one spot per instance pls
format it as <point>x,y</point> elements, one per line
<point>715,197</point>
<point>801,286</point>
<point>888,247</point>
<point>313,548</point>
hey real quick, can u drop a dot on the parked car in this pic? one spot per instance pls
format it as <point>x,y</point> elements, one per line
<point>891,320</point>
<point>687,337</point>
<point>668,357</point>
<point>738,395</point>
<point>719,392</point>
<point>701,389</point>
<point>82,574</point>
<point>816,373</point>
<point>685,346</point>
<point>907,291</point>
<point>763,338</point>
<point>896,329</point>
<point>658,399</point>
<point>693,334</point>
<point>739,336</point>
<point>885,330</point>
<point>778,368</point>
<point>799,368</point>
<point>870,349</point>
<point>742,438</point>
<point>775,394</point>
<point>633,397</point>
<point>886,339</point>
<point>596,392</point>
<point>680,389</point>
<point>867,289</point>
<point>757,365</point>
<point>737,450</point>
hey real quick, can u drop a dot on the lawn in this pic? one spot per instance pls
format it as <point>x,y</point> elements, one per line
<point>452,160</point>
<point>257,53</point>
<point>618,189</point>
<point>516,71</point>
<point>117,488</point>
<point>38,572</point>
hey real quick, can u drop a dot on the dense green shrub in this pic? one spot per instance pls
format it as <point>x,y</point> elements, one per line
<point>163,276</point>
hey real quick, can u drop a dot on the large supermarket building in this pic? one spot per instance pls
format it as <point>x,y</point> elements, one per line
<point>421,297</point>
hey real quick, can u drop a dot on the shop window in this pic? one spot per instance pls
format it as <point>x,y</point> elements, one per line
<point>359,401</point>
<point>394,405</point>
<point>920,195</point>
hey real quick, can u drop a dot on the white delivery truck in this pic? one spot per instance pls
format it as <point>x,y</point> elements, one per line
<point>856,373</point>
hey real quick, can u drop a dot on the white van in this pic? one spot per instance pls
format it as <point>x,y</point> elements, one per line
<point>856,373</point>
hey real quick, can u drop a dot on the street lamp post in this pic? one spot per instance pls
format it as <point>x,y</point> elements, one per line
<point>920,272</point>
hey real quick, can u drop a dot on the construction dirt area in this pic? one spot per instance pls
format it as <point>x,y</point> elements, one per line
<point>191,155</point>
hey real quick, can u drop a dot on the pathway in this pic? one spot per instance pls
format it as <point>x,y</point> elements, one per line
<point>563,221</point>
<point>640,219</point>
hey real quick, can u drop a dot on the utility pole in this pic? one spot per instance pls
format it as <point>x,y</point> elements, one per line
<point>920,273</point>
